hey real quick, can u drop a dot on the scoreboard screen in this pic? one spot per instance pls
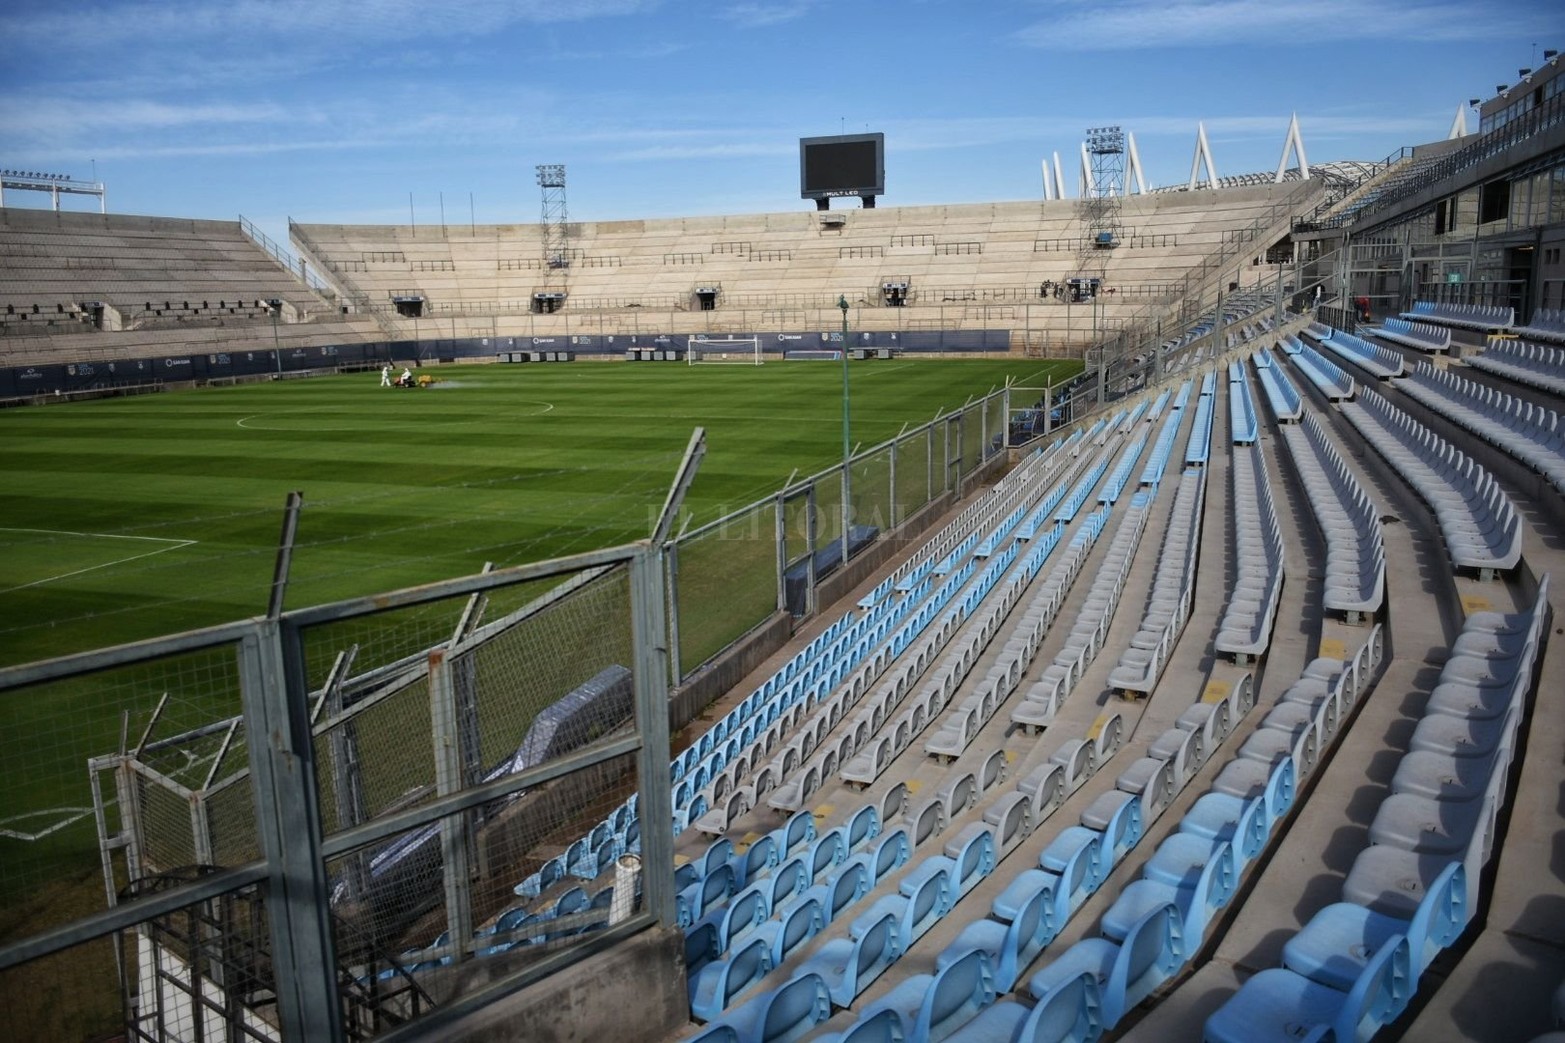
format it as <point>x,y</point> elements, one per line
<point>842,165</point>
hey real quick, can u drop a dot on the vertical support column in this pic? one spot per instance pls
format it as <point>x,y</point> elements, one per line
<point>282,773</point>
<point>648,631</point>
<point>446,732</point>
<point>782,552</point>
<point>669,553</point>
<point>891,485</point>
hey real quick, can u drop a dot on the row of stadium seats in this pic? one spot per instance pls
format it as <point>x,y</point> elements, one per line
<point>1330,378</point>
<point>1283,397</point>
<point>1531,433</point>
<point>1246,627</point>
<point>1374,359</point>
<point>1412,891</point>
<point>1423,336</point>
<point>1481,527</point>
<point>1468,316</point>
<point>1537,365</point>
<point>1355,580</point>
<point>1546,324</point>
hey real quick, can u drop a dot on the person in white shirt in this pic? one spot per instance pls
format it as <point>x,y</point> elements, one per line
<point>385,375</point>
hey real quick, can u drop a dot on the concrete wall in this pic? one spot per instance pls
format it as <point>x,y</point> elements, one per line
<point>632,992</point>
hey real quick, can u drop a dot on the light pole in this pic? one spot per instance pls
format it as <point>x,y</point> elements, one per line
<point>842,302</point>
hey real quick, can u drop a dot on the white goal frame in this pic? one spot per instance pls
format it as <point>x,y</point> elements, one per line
<point>720,351</point>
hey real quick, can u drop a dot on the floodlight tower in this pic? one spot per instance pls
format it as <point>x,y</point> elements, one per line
<point>1104,156</point>
<point>556,232</point>
<point>1103,177</point>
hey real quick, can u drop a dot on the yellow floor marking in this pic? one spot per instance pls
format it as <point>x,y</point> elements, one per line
<point>1216,691</point>
<point>1476,603</point>
<point>914,785</point>
<point>1333,648</point>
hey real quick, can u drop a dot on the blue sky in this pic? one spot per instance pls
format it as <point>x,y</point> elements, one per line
<point>334,111</point>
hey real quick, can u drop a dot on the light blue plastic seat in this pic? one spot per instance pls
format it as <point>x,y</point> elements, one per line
<point>1117,816</point>
<point>719,852</point>
<point>801,921</point>
<point>1078,880</point>
<point>884,1026</point>
<point>701,948</point>
<point>827,851</point>
<point>1279,1006</point>
<point>1335,946</point>
<point>849,965</point>
<point>933,1006</point>
<point>863,827</point>
<point>795,833</point>
<point>716,1034</point>
<point>1008,903</point>
<point>784,1014</point>
<point>715,987</point>
<point>685,874</point>
<point>1071,1013</point>
<point>541,881</point>
<point>1072,842</point>
<point>710,892</point>
<point>972,856</point>
<point>916,913</point>
<point>755,861</point>
<point>840,890</point>
<point>572,901</point>
<point>744,912</point>
<point>1152,953</point>
<point>1197,904</point>
<point>790,879</point>
<point>1010,946</point>
<point>887,852</point>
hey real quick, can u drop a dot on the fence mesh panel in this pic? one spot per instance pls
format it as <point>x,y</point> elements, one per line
<point>49,854</point>
<point>828,508</point>
<point>870,487</point>
<point>912,490</point>
<point>726,582</point>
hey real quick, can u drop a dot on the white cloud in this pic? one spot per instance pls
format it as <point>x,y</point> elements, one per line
<point>1142,24</point>
<point>759,15</point>
<point>305,22</point>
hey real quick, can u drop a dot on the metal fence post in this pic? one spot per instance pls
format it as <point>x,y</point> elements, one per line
<point>446,732</point>
<point>288,821</point>
<point>648,630</point>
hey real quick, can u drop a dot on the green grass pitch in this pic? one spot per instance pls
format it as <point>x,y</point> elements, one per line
<point>129,518</point>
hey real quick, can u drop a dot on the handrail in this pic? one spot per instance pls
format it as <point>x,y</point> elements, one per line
<point>293,265</point>
<point>1420,176</point>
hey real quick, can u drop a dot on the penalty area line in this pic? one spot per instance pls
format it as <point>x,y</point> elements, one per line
<point>172,544</point>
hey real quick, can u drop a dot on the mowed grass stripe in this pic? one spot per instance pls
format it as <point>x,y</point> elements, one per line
<point>507,463</point>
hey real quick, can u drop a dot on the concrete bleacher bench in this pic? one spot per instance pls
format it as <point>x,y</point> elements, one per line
<point>1467,316</point>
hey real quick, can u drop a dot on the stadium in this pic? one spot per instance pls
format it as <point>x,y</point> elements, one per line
<point>1122,614</point>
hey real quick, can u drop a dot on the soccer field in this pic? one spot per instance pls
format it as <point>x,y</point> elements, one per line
<point>128,518</point>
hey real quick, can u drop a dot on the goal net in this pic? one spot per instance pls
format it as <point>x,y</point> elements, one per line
<point>739,351</point>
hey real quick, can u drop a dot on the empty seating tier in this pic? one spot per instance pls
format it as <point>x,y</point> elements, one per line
<point>1481,527</point>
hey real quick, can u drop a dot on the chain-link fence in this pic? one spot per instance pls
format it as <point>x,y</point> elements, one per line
<point>313,825</point>
<point>731,575</point>
<point>441,782</point>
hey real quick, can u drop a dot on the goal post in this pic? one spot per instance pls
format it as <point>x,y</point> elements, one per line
<point>733,351</point>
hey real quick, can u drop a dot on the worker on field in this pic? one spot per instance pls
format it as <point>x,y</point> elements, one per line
<point>385,375</point>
